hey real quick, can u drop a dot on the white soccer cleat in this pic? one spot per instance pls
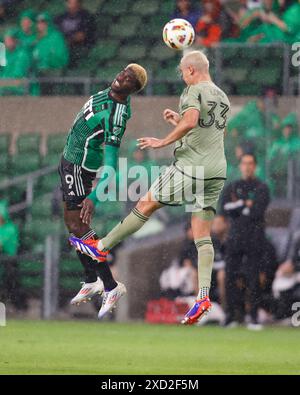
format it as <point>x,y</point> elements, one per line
<point>111,298</point>
<point>88,290</point>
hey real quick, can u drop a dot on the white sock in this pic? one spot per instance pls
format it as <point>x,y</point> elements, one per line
<point>203,292</point>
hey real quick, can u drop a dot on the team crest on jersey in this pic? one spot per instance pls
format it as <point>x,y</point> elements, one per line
<point>117,130</point>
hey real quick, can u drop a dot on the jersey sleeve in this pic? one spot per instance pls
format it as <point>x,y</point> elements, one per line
<point>116,126</point>
<point>192,99</point>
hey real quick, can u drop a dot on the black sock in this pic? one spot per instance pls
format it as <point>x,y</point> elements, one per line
<point>100,268</point>
<point>89,267</point>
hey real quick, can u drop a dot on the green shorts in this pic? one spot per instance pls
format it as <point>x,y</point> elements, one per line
<point>174,188</point>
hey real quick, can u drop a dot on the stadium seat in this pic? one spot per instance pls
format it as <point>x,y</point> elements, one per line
<point>266,75</point>
<point>49,182</point>
<point>161,52</point>
<point>236,74</point>
<point>168,74</point>
<point>28,143</point>
<point>4,143</point>
<point>167,7</point>
<point>108,73</point>
<point>125,28</point>
<point>103,51</point>
<point>56,143</point>
<point>132,53</point>
<point>25,163</point>
<point>70,265</point>
<point>42,206</point>
<point>145,7</point>
<point>114,7</point>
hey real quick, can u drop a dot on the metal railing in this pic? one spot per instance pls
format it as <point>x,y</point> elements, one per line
<point>288,84</point>
<point>29,179</point>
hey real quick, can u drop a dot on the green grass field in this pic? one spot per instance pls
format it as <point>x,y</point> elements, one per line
<point>73,347</point>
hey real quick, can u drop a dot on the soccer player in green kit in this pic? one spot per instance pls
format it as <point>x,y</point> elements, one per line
<point>199,136</point>
<point>93,141</point>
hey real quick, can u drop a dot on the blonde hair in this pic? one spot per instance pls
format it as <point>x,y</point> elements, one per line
<point>197,59</point>
<point>140,74</point>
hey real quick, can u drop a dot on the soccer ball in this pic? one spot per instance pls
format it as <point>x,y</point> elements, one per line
<point>178,34</point>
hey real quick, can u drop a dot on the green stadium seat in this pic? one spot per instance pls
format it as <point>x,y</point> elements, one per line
<point>161,89</point>
<point>41,206</point>
<point>161,52</point>
<point>70,283</point>
<point>249,89</point>
<point>114,7</point>
<point>103,51</point>
<point>125,28</point>
<point>25,163</point>
<point>4,143</point>
<point>70,265</point>
<point>266,75</point>
<point>167,7</point>
<point>145,7</point>
<point>168,74</point>
<point>108,73</point>
<point>4,160</point>
<point>93,6</point>
<point>50,182</point>
<point>28,143</point>
<point>236,74</point>
<point>56,143</point>
<point>132,53</point>
<point>36,231</point>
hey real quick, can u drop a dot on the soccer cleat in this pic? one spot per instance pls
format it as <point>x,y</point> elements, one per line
<point>200,308</point>
<point>88,290</point>
<point>111,298</point>
<point>89,247</point>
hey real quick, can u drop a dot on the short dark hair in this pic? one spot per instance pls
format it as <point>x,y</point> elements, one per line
<point>249,154</point>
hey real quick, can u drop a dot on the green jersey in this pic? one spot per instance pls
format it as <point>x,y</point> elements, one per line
<point>204,144</point>
<point>102,120</point>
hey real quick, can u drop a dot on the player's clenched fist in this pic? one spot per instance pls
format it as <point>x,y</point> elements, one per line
<point>171,117</point>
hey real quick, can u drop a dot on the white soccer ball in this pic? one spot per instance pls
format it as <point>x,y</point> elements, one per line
<point>178,34</point>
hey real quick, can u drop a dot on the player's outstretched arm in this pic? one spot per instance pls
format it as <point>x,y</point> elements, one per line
<point>188,122</point>
<point>111,155</point>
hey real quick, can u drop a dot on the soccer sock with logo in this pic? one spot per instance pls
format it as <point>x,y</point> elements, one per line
<point>205,263</point>
<point>92,268</point>
<point>132,223</point>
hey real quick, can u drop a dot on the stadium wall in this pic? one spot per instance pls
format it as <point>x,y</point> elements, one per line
<point>47,115</point>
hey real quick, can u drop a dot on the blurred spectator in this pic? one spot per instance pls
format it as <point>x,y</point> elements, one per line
<point>185,10</point>
<point>267,270</point>
<point>282,150</point>
<point>6,9</point>
<point>50,53</point>
<point>255,121</point>
<point>208,29</point>
<point>272,21</point>
<point>189,251</point>
<point>286,27</point>
<point>286,286</point>
<point>79,28</point>
<point>9,235</point>
<point>18,64</point>
<point>180,278</point>
<point>27,32</point>
<point>244,202</point>
<point>219,231</point>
